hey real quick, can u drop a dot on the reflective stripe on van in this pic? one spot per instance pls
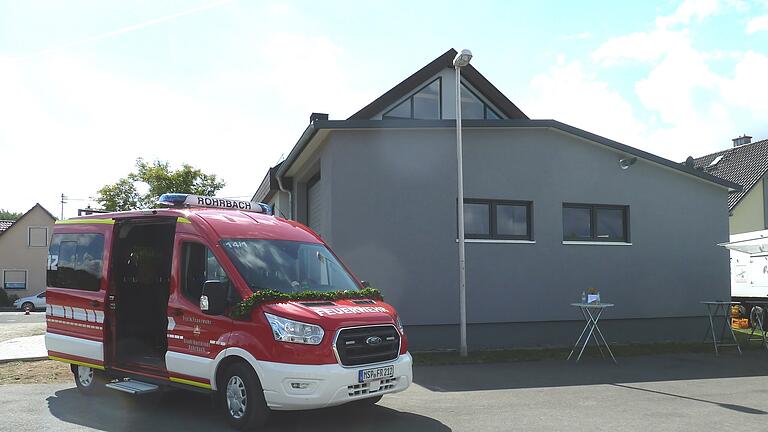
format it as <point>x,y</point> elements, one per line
<point>85,221</point>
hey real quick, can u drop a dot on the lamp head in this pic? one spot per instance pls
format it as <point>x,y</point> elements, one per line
<point>627,162</point>
<point>462,59</point>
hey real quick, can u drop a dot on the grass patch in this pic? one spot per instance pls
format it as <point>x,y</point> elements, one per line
<point>435,358</point>
<point>35,372</point>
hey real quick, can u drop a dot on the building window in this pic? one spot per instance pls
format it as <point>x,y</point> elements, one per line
<point>15,279</point>
<point>425,104</point>
<point>75,261</point>
<point>590,222</point>
<point>497,219</point>
<point>473,108</point>
<point>37,237</point>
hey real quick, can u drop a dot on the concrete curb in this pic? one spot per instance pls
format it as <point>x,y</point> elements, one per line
<point>24,359</point>
<point>23,348</point>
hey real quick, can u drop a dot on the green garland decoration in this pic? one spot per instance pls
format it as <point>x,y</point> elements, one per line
<point>242,310</point>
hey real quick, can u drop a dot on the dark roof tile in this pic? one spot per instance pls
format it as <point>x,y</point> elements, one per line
<point>745,165</point>
<point>5,224</point>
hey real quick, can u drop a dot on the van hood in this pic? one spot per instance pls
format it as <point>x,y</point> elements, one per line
<point>334,314</point>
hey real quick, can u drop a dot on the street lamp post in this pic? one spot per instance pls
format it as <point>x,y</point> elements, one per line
<point>462,59</point>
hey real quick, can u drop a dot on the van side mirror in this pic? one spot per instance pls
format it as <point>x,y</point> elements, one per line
<point>365,284</point>
<point>213,301</point>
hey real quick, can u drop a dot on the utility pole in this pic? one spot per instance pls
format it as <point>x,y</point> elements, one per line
<point>63,198</point>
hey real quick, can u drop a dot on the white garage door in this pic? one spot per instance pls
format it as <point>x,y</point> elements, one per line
<point>315,208</point>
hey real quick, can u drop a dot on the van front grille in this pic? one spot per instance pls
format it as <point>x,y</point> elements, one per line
<point>364,345</point>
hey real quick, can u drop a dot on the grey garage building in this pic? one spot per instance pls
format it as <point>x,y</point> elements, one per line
<point>550,212</point>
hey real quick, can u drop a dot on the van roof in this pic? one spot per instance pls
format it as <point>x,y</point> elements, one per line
<point>224,224</point>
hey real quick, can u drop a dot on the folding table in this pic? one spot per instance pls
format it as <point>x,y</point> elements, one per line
<point>713,309</point>
<point>591,313</point>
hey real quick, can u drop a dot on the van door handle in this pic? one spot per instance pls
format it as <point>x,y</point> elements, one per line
<point>178,312</point>
<point>95,303</point>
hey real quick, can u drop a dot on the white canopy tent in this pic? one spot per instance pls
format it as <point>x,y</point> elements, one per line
<point>755,247</point>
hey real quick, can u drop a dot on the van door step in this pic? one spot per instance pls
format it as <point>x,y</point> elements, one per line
<point>133,387</point>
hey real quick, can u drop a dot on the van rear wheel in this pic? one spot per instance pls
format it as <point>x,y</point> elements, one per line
<point>86,379</point>
<point>244,403</point>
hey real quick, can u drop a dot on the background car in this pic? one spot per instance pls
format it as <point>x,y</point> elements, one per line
<point>35,302</point>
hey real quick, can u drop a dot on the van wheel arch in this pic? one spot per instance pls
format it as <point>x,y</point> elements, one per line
<point>226,363</point>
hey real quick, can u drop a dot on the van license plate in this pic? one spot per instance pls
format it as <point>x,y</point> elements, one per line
<point>374,374</point>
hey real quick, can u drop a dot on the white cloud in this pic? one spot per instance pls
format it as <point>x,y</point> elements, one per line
<point>689,107</point>
<point>641,46</point>
<point>308,73</point>
<point>747,88</point>
<point>74,126</point>
<point>757,24</point>
<point>562,93</point>
<point>688,10</point>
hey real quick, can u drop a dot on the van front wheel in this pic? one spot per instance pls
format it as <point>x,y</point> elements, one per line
<point>244,403</point>
<point>86,379</point>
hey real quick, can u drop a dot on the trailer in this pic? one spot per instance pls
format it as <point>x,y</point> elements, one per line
<point>749,271</point>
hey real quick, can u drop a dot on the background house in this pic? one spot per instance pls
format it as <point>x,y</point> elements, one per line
<point>746,163</point>
<point>550,211</point>
<point>24,251</point>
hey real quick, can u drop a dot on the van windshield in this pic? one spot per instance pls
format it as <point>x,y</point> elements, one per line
<point>287,266</point>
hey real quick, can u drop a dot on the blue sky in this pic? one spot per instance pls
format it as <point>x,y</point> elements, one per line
<point>86,87</point>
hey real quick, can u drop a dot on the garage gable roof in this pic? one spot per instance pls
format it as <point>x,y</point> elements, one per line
<point>419,78</point>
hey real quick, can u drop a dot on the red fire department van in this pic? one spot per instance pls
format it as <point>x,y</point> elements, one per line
<point>218,296</point>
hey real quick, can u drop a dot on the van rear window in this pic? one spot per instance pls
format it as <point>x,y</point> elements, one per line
<point>75,261</point>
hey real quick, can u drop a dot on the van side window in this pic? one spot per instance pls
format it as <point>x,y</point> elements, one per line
<point>75,261</point>
<point>199,265</point>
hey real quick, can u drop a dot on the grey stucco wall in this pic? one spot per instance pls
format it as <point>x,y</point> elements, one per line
<point>549,334</point>
<point>392,218</point>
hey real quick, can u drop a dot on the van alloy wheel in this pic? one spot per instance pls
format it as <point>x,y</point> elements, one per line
<point>242,397</point>
<point>237,397</point>
<point>87,379</point>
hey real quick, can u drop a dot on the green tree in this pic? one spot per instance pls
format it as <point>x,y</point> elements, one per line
<point>160,179</point>
<point>9,215</point>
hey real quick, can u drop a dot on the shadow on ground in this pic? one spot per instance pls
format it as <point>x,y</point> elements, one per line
<point>591,371</point>
<point>191,412</point>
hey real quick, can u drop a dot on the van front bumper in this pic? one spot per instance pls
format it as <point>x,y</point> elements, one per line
<point>296,387</point>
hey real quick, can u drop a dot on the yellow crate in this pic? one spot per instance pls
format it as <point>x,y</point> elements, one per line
<point>740,323</point>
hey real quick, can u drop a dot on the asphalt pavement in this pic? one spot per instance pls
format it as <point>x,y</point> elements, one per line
<point>669,393</point>
<point>20,318</point>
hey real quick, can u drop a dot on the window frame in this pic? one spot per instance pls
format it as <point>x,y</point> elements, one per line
<point>184,293</point>
<point>29,236</point>
<point>26,279</point>
<point>410,102</point>
<point>492,219</point>
<point>57,283</point>
<point>486,107</point>
<point>593,208</point>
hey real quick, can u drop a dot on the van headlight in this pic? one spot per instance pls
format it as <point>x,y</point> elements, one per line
<point>286,330</point>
